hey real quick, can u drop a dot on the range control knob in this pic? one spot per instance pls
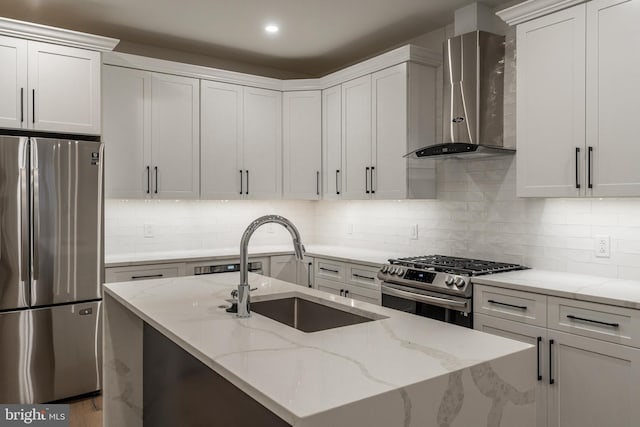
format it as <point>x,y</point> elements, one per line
<point>392,270</point>
<point>449,280</point>
<point>385,268</point>
<point>400,272</point>
<point>459,282</point>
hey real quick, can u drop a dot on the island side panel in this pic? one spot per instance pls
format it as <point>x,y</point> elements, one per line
<point>500,393</point>
<point>122,368</point>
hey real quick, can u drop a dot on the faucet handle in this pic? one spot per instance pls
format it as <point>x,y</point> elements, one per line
<point>234,294</point>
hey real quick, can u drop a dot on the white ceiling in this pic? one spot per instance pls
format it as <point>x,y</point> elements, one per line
<point>316,36</point>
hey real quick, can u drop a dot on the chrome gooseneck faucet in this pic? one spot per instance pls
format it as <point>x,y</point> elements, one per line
<point>243,287</point>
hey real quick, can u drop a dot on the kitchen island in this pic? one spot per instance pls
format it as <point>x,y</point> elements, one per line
<point>398,370</point>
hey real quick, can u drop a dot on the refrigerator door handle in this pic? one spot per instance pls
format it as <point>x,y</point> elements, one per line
<point>35,207</point>
<point>24,211</point>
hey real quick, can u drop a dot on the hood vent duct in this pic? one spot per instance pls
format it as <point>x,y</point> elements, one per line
<point>473,71</point>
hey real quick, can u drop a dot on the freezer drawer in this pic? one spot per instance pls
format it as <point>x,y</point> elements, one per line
<point>50,353</point>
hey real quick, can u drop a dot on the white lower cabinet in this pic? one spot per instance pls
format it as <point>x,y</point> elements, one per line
<point>582,381</point>
<point>288,269</point>
<point>355,281</point>
<point>143,272</point>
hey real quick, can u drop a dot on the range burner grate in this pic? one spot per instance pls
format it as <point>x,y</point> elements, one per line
<point>442,263</point>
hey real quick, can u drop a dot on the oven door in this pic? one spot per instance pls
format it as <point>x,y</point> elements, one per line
<point>423,303</point>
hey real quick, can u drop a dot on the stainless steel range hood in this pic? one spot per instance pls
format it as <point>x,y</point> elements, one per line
<point>473,90</point>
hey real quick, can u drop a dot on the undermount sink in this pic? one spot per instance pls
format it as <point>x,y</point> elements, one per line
<point>309,316</point>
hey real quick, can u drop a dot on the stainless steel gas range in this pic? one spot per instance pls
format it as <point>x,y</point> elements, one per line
<point>436,286</point>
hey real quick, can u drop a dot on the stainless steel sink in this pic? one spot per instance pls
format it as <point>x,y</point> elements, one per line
<point>309,316</point>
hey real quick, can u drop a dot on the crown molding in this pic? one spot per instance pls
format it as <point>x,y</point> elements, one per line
<point>44,33</point>
<point>408,53</point>
<point>532,9</point>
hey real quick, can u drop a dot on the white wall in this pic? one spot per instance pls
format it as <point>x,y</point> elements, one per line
<point>193,225</point>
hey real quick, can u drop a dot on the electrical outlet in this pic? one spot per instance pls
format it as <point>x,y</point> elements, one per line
<point>349,228</point>
<point>414,231</point>
<point>603,249</point>
<point>148,231</point>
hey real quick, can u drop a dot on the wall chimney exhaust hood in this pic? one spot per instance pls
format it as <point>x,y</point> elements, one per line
<point>473,71</point>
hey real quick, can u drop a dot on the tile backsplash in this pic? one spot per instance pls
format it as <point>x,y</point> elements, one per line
<point>476,214</point>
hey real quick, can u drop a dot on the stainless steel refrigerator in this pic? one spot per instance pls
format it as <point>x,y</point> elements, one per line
<point>51,267</point>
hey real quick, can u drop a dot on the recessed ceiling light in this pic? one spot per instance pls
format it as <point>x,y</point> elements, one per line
<point>271,29</point>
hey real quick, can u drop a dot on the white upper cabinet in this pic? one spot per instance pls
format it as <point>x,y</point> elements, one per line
<point>175,136</point>
<point>13,84</point>
<point>384,116</point>
<point>551,105</point>
<point>241,152</point>
<point>262,147</point>
<point>222,172</point>
<point>64,89</point>
<point>356,138</point>
<point>613,101</point>
<point>151,135</point>
<point>301,144</point>
<point>332,172</point>
<point>577,87</point>
<point>48,87</point>
<point>127,132</point>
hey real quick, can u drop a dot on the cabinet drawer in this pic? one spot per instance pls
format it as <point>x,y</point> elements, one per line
<point>605,322</point>
<point>360,293</point>
<point>332,270</point>
<point>509,304</point>
<point>143,272</point>
<point>362,275</point>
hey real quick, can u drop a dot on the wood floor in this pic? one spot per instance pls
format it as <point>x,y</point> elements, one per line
<point>85,412</point>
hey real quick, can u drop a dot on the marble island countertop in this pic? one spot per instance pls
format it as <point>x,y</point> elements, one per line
<point>401,370</point>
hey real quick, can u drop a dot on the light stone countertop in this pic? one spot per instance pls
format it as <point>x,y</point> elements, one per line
<point>604,290</point>
<point>302,377</point>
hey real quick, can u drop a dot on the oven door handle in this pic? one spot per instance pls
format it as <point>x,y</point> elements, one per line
<point>427,299</point>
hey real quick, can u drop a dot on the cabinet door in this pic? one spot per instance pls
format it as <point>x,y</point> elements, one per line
<point>356,138</point>
<point>64,89</point>
<point>301,144</point>
<point>127,132</point>
<point>332,172</point>
<point>613,105</point>
<point>263,143</point>
<point>551,105</point>
<point>389,97</point>
<point>595,383</point>
<point>221,141</point>
<point>175,136</point>
<point>533,335</point>
<point>336,288</point>
<point>284,267</point>
<point>13,84</point>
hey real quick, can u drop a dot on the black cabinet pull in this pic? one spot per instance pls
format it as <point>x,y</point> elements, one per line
<point>346,293</point>
<point>247,192</point>
<point>241,181</point>
<point>150,276</point>
<point>360,276</point>
<point>310,267</point>
<point>21,105</point>
<point>317,183</point>
<point>521,307</point>
<point>366,180</point>
<point>337,172</point>
<point>148,180</point>
<point>33,106</point>
<point>373,190</point>
<point>341,292</point>
<point>572,317</point>
<point>551,380</point>
<point>538,356</point>
<point>577,167</point>
<point>589,160</point>
<point>330,270</point>
<point>155,169</point>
